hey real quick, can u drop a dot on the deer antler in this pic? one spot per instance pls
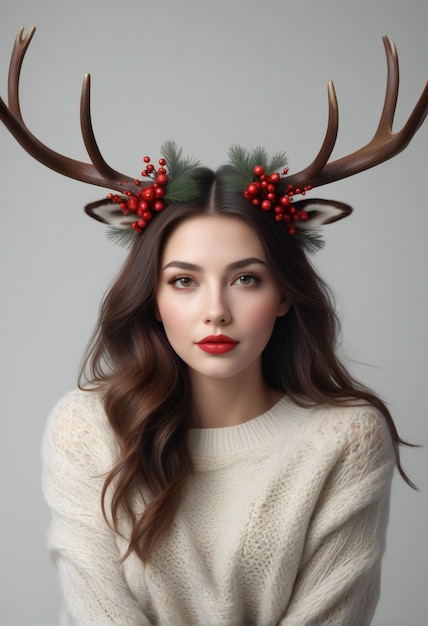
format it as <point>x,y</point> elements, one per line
<point>384,145</point>
<point>96,173</point>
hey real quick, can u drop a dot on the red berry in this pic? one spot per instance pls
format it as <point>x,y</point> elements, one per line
<point>258,170</point>
<point>284,200</point>
<point>162,162</point>
<point>252,189</point>
<point>266,205</point>
<point>161,179</point>
<point>133,204</point>
<point>148,194</point>
<point>158,205</point>
<point>146,159</point>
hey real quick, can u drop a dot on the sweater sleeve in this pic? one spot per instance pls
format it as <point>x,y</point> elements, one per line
<point>76,454</point>
<point>339,576</point>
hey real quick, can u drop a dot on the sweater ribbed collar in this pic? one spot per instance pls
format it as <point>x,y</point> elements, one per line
<point>256,433</point>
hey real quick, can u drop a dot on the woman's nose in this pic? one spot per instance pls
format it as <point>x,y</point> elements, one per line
<point>217,312</point>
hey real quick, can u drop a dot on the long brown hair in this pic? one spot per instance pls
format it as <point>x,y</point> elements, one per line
<point>144,384</point>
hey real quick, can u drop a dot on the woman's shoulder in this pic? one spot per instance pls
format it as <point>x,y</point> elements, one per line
<point>79,411</point>
<point>355,430</point>
<point>78,432</point>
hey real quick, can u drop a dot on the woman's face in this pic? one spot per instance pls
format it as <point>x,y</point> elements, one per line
<point>216,297</point>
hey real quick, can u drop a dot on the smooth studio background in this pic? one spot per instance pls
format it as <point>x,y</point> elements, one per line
<point>207,74</point>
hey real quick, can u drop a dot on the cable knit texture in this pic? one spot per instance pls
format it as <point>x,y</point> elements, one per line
<point>283,521</point>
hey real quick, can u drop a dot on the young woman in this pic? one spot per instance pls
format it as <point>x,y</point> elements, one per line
<point>218,465</point>
<point>244,475</point>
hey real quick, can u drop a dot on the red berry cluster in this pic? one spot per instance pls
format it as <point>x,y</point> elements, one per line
<point>148,200</point>
<point>261,192</point>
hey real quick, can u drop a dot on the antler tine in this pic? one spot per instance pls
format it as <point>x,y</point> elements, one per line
<point>384,145</point>
<point>304,177</point>
<point>96,173</point>
<point>416,118</point>
<point>89,137</point>
<point>18,53</point>
<point>392,83</point>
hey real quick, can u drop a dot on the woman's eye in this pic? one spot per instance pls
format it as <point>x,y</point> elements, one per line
<point>246,280</point>
<point>183,282</point>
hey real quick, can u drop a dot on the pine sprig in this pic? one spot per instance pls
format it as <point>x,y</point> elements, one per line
<point>244,161</point>
<point>181,189</point>
<point>310,240</point>
<point>121,236</point>
<point>177,166</point>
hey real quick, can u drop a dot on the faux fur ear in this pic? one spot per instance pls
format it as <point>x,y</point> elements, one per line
<point>321,212</point>
<point>107,212</point>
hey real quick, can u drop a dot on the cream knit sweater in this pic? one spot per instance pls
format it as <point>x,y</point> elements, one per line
<point>283,521</point>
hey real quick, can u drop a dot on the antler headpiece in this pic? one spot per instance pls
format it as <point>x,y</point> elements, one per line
<point>136,201</point>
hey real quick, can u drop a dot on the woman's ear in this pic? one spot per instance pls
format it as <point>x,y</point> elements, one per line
<point>284,307</point>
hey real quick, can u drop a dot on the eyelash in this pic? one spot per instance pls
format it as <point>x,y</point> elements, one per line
<point>175,281</point>
<point>256,279</point>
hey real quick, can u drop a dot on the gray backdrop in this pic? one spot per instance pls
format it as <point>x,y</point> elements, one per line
<point>207,74</point>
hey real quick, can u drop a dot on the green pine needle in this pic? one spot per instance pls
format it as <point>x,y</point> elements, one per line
<point>181,189</point>
<point>277,162</point>
<point>176,165</point>
<point>122,236</point>
<point>244,161</point>
<point>310,240</point>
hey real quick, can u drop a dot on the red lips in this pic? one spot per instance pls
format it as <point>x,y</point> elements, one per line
<point>217,344</point>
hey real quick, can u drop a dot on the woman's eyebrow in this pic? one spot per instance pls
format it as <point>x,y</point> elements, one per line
<point>183,265</point>
<point>236,265</point>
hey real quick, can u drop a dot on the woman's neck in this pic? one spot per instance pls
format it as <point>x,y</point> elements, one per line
<point>217,403</point>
